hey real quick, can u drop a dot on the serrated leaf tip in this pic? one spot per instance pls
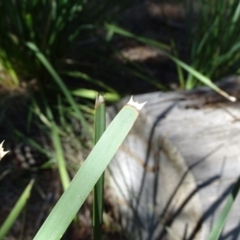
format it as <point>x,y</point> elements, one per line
<point>2,152</point>
<point>136,105</point>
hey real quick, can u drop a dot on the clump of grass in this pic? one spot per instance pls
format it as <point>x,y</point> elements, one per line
<point>59,29</point>
<point>49,42</point>
<point>180,64</point>
<point>38,39</point>
<point>214,38</point>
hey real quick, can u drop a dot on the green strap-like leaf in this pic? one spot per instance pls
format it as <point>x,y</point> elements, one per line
<point>99,128</point>
<point>16,210</point>
<point>164,48</point>
<point>60,83</point>
<point>87,176</point>
<point>219,224</point>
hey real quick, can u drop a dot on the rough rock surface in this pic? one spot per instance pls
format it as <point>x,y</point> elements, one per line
<point>175,169</point>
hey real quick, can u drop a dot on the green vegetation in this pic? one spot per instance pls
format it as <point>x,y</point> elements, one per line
<point>16,210</point>
<point>60,53</point>
<point>191,71</point>
<point>88,175</point>
<point>214,39</point>
<point>99,128</point>
<point>220,222</point>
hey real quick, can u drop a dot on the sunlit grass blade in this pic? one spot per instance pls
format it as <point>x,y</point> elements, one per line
<point>11,78</point>
<point>60,157</point>
<point>123,32</point>
<point>202,78</point>
<point>60,83</point>
<point>55,131</point>
<point>89,173</point>
<point>183,65</point>
<point>91,94</point>
<point>99,128</point>
<point>16,210</point>
<point>221,220</point>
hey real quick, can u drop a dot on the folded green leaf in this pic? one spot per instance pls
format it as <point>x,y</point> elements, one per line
<point>98,192</point>
<point>87,176</point>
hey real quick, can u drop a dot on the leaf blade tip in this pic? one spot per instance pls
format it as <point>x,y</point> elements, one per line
<point>136,105</point>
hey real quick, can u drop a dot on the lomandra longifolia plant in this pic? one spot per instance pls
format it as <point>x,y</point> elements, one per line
<point>89,173</point>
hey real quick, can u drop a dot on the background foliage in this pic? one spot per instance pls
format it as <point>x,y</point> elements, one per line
<point>55,55</point>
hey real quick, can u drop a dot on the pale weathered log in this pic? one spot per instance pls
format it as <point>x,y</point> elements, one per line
<point>178,164</point>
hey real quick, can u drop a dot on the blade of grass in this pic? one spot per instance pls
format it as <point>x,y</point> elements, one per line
<point>87,176</point>
<point>99,128</point>
<point>65,180</point>
<point>61,111</point>
<point>207,41</point>
<point>16,210</point>
<point>46,120</point>
<point>202,78</point>
<point>221,220</point>
<point>33,143</point>
<point>91,94</point>
<point>123,32</point>
<point>88,78</point>
<point>179,69</point>
<point>141,72</point>
<point>89,112</point>
<point>61,84</point>
<point>189,69</point>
